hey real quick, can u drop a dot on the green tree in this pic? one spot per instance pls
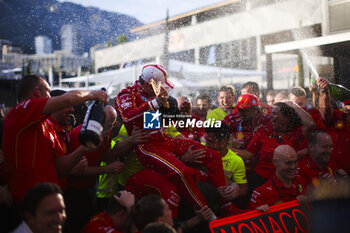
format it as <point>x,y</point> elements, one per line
<point>109,43</point>
<point>121,39</point>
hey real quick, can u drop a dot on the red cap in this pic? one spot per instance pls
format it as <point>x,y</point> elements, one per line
<point>246,101</point>
<point>347,102</point>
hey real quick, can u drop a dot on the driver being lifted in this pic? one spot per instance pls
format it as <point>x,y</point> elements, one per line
<point>162,153</point>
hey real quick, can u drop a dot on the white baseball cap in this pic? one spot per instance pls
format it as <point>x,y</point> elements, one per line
<point>157,73</point>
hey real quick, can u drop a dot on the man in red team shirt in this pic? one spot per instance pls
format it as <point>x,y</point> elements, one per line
<point>290,125</point>
<point>316,165</point>
<point>62,120</point>
<point>244,122</point>
<point>298,96</point>
<point>79,196</point>
<point>337,123</point>
<point>194,133</point>
<point>32,151</point>
<point>254,89</point>
<point>284,186</point>
<point>161,152</point>
<point>114,219</point>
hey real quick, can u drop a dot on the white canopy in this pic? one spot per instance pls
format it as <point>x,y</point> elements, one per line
<point>182,75</point>
<point>195,72</point>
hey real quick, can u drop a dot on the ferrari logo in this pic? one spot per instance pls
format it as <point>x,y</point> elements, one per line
<point>315,181</point>
<point>339,124</point>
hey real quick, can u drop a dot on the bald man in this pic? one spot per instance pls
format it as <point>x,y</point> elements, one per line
<point>284,185</point>
<point>78,196</point>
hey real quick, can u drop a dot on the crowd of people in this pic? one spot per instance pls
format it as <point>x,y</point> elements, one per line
<point>165,179</point>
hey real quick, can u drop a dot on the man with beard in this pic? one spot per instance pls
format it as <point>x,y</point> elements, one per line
<point>202,106</point>
<point>316,165</point>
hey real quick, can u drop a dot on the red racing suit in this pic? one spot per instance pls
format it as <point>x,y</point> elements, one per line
<point>161,152</point>
<point>147,182</point>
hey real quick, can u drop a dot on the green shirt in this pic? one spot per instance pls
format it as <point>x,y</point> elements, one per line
<point>216,114</point>
<point>234,167</point>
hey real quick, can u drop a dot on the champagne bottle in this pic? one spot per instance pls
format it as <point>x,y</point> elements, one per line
<point>92,127</point>
<point>339,92</point>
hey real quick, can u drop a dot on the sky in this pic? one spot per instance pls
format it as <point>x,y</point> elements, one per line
<point>147,11</point>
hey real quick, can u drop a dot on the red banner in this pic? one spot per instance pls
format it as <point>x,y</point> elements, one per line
<point>286,217</point>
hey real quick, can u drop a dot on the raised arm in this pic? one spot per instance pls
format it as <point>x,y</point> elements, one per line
<point>73,98</point>
<point>325,101</point>
<point>309,124</point>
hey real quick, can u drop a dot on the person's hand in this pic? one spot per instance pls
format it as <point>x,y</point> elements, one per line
<point>125,198</point>
<point>322,83</point>
<point>340,173</point>
<point>229,192</point>
<point>193,155</point>
<point>162,97</point>
<point>234,143</point>
<point>80,168</point>
<point>206,213</point>
<point>328,178</point>
<point>139,136</point>
<point>90,146</point>
<point>115,167</point>
<point>302,199</point>
<point>100,96</point>
<point>263,208</point>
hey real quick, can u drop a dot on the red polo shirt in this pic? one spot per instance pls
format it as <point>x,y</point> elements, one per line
<point>100,223</point>
<point>245,132</point>
<point>266,109</point>
<point>265,141</point>
<point>273,192</point>
<point>194,133</point>
<point>62,135</point>
<point>340,133</point>
<point>316,116</point>
<point>94,158</point>
<point>30,146</point>
<point>310,172</point>
<point>62,132</point>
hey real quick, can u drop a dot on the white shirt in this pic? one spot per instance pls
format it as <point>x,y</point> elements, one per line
<point>22,228</point>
